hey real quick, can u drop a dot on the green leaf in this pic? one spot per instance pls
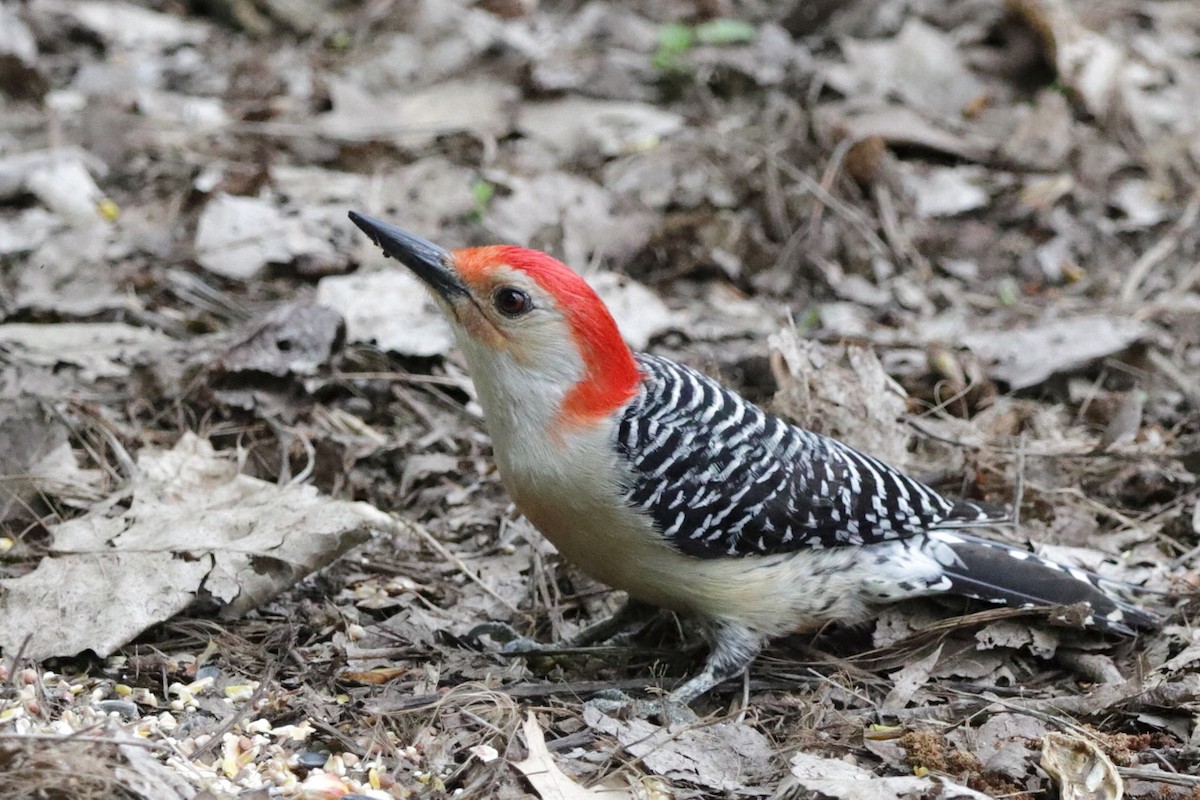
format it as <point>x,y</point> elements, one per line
<point>340,41</point>
<point>1009,292</point>
<point>674,38</point>
<point>809,321</point>
<point>483,191</point>
<point>673,41</point>
<point>725,31</point>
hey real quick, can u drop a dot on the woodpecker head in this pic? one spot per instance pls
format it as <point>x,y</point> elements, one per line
<point>541,345</point>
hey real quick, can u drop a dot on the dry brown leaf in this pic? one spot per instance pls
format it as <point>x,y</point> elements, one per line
<point>579,127</point>
<point>921,64</point>
<point>237,237</point>
<point>828,777</point>
<point>947,191</point>
<point>1024,357</point>
<point>416,117</point>
<point>842,392</point>
<point>16,171</point>
<point>1001,744</point>
<point>374,677</point>
<point>29,434</point>
<point>908,680</point>
<point>293,339</point>
<point>640,313</point>
<point>571,217</point>
<point>146,775</point>
<point>543,773</point>
<point>129,26</point>
<point>94,349</point>
<point>1092,65</point>
<point>389,309</point>
<point>904,127</point>
<point>1015,635</point>
<point>1082,770</point>
<point>727,757</point>
<point>195,525</point>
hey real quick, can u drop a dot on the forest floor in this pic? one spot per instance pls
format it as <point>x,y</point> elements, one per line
<point>248,512</point>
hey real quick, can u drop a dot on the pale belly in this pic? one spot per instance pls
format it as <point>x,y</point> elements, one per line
<point>772,595</point>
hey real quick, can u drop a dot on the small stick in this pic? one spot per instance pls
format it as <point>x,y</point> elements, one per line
<point>458,563</point>
<point>1161,249</point>
<point>71,738</point>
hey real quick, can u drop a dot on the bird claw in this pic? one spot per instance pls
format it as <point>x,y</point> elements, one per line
<point>609,701</point>
<point>669,713</point>
<point>502,634</point>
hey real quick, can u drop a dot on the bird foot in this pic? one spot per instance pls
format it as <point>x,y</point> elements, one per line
<point>668,712</point>
<point>504,635</point>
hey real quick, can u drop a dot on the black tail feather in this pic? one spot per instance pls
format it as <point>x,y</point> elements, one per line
<point>991,571</point>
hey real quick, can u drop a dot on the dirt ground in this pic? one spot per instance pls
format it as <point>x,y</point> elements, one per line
<point>248,513</point>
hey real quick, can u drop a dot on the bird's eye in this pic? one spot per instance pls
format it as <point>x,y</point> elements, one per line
<point>512,302</point>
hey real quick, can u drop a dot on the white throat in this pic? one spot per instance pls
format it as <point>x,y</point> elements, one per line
<point>522,405</point>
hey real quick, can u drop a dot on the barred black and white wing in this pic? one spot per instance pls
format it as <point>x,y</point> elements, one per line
<point>720,477</point>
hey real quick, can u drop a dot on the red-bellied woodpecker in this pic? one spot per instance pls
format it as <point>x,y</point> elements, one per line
<point>655,479</point>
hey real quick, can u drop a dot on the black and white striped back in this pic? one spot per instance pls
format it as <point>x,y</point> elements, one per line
<point>721,477</point>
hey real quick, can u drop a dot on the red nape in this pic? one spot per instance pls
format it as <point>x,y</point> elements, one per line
<point>612,375</point>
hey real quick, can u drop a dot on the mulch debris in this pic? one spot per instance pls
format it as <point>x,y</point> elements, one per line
<point>248,513</point>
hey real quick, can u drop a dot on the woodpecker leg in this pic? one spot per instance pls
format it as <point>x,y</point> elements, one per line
<point>502,633</point>
<point>734,648</point>
<point>602,631</point>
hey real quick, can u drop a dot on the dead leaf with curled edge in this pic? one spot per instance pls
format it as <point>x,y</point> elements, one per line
<point>1025,357</point>
<point>814,775</point>
<point>194,528</point>
<point>731,758</point>
<point>1081,769</point>
<point>909,680</point>
<point>840,391</point>
<point>543,774</point>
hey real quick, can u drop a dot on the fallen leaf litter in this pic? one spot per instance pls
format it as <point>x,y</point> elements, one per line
<point>983,224</point>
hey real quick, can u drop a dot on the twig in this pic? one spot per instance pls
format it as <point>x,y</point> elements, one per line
<point>776,208</point>
<point>1124,455</point>
<point>1028,710</point>
<point>402,377</point>
<point>827,680</point>
<point>1186,383</point>
<point>71,738</point>
<point>1161,249</point>
<point>458,563</point>
<point>572,740</point>
<point>741,717</point>
<point>1019,489</point>
<point>901,244</point>
<point>1183,559</point>
<point>828,177</point>
<point>1160,775</point>
<point>520,691</point>
<point>592,650</point>
<point>1101,700</point>
<point>534,691</point>
<point>97,424</point>
<point>16,659</point>
<point>238,715</point>
<point>846,211</point>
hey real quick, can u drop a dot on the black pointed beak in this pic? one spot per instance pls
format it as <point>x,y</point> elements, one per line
<point>431,263</point>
